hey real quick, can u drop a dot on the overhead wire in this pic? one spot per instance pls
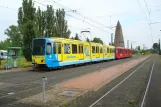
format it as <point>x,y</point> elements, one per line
<point>142,10</point>
<point>146,17</point>
<point>149,12</point>
<point>77,18</point>
<point>77,13</point>
<point>8,8</point>
<point>87,23</point>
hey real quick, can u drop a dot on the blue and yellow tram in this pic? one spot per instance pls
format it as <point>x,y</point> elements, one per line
<point>58,52</point>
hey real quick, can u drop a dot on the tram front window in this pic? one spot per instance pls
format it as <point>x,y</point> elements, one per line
<point>38,47</point>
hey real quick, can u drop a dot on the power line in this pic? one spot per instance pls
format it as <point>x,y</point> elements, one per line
<point>158,6</point>
<point>87,23</point>
<point>149,22</point>
<point>58,4</point>
<point>78,19</point>
<point>146,6</point>
<point>142,10</point>
<point>85,17</point>
<point>8,8</point>
<point>149,12</point>
<point>94,21</point>
<point>40,3</point>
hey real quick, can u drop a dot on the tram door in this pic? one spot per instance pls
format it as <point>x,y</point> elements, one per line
<point>59,51</point>
<point>81,55</point>
<point>97,52</point>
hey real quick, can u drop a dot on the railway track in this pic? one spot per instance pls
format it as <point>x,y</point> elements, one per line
<point>116,86</point>
<point>129,89</point>
<point>142,103</point>
<point>34,87</point>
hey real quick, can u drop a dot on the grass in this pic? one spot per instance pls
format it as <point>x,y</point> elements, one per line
<point>23,63</point>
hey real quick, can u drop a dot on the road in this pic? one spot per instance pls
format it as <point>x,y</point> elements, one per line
<point>15,86</point>
<point>139,87</point>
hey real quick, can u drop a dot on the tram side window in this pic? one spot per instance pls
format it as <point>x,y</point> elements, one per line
<point>101,50</point>
<point>80,49</point>
<point>93,49</point>
<point>113,50</point>
<point>48,49</point>
<point>105,50</point>
<point>108,50</point>
<point>59,48</point>
<point>97,49</point>
<point>54,48</point>
<point>67,48</point>
<point>74,49</point>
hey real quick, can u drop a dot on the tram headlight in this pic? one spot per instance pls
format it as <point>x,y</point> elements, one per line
<point>42,60</point>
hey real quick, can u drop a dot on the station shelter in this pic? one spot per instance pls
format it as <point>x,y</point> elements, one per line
<point>13,57</point>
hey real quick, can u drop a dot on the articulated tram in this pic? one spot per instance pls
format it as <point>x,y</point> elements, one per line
<point>58,52</point>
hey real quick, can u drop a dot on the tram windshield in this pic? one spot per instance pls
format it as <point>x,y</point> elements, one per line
<point>38,47</point>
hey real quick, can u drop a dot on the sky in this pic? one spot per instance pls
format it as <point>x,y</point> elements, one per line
<point>133,18</point>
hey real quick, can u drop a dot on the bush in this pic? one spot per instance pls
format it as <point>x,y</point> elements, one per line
<point>159,52</point>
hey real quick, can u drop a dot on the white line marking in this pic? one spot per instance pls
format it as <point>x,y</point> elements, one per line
<point>117,85</point>
<point>11,93</point>
<point>147,87</point>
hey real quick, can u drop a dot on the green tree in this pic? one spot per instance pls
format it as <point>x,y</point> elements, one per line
<point>155,46</point>
<point>14,35</point>
<point>40,21</point>
<point>87,39</point>
<point>5,44</point>
<point>139,48</point>
<point>49,21</point>
<point>27,26</point>
<point>76,37</point>
<point>61,28</point>
<point>97,40</point>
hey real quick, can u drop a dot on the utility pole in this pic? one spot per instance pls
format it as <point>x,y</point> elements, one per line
<point>143,46</point>
<point>110,20</point>
<point>111,38</point>
<point>127,43</point>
